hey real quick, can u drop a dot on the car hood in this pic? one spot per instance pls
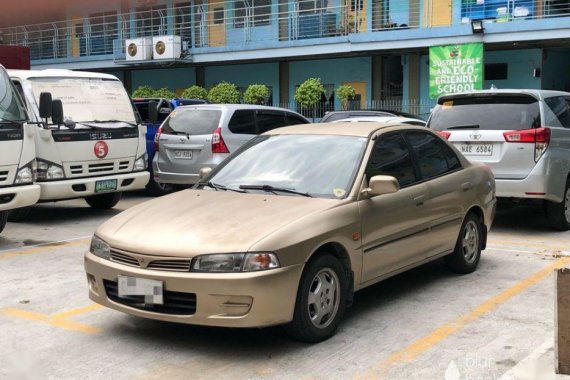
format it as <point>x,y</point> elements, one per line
<point>194,222</point>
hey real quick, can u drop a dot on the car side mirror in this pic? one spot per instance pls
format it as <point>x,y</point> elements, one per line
<point>45,105</point>
<point>57,112</point>
<point>381,184</point>
<point>204,172</point>
<point>152,111</point>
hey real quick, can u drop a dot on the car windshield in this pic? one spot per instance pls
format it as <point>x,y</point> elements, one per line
<point>192,121</point>
<point>88,99</point>
<point>497,112</point>
<point>11,108</point>
<point>319,165</point>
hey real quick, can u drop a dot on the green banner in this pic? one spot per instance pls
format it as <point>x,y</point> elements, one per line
<point>455,68</point>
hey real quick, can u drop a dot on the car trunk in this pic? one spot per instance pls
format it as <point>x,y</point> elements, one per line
<point>476,125</point>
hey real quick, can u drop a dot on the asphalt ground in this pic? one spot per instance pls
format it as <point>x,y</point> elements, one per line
<point>424,324</point>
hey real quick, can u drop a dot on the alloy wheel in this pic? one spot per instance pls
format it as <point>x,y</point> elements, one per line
<point>470,241</point>
<point>324,298</point>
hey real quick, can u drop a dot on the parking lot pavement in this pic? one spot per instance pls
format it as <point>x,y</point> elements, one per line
<point>424,324</point>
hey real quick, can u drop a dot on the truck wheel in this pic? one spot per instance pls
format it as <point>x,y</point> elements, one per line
<point>3,219</point>
<point>19,214</point>
<point>104,201</point>
<point>558,213</point>
<point>157,189</point>
<point>321,300</point>
<point>467,253</point>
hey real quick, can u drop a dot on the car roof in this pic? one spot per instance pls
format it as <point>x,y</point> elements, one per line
<point>380,119</point>
<point>61,73</point>
<point>345,128</point>
<point>539,94</point>
<point>233,107</point>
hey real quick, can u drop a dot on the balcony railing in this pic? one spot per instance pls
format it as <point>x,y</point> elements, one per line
<point>239,23</point>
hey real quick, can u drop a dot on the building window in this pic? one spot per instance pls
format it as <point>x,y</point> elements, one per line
<point>254,12</point>
<point>151,21</point>
<point>496,71</point>
<point>218,15</point>
<point>313,6</point>
<point>183,21</point>
<point>103,32</point>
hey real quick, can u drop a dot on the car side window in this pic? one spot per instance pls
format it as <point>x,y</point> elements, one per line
<point>560,107</point>
<point>20,90</point>
<point>243,122</point>
<point>433,156</point>
<point>268,120</point>
<point>293,119</point>
<point>391,156</point>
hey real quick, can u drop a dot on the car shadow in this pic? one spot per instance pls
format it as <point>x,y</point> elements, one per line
<point>49,214</point>
<point>526,218</point>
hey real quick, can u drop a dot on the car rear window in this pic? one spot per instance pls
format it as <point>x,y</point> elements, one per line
<point>192,121</point>
<point>497,112</point>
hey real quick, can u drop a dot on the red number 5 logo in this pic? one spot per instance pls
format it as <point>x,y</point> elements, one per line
<point>101,149</point>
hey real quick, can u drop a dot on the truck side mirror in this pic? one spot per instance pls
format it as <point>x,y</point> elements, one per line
<point>45,105</point>
<point>57,112</point>
<point>153,111</point>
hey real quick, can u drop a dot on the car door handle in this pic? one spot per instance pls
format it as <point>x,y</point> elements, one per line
<point>419,200</point>
<point>465,186</point>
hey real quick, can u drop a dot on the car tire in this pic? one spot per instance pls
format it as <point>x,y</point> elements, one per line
<point>3,219</point>
<point>558,213</point>
<point>467,253</point>
<point>104,201</point>
<point>19,214</point>
<point>321,300</point>
<point>157,189</point>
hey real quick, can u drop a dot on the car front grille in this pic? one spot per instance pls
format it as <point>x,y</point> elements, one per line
<point>124,259</point>
<point>171,264</point>
<point>175,303</point>
<point>4,175</point>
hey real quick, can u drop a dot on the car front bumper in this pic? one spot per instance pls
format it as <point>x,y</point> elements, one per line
<point>254,299</point>
<point>84,187</point>
<point>21,196</point>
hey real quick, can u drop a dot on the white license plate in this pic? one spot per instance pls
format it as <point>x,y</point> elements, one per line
<point>133,286</point>
<point>183,154</point>
<point>476,149</point>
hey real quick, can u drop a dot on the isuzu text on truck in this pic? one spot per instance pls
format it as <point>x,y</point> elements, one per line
<point>17,152</point>
<point>98,151</point>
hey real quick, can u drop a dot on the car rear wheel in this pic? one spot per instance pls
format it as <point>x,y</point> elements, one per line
<point>467,253</point>
<point>157,189</point>
<point>558,213</point>
<point>104,201</point>
<point>3,219</point>
<point>321,300</point>
<point>19,214</point>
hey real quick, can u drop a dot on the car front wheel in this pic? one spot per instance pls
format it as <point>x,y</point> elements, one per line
<point>467,253</point>
<point>19,214</point>
<point>321,300</point>
<point>3,219</point>
<point>104,201</point>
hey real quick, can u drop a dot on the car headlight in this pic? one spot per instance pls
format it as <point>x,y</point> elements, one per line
<point>99,248</point>
<point>26,174</point>
<point>235,262</point>
<point>140,164</point>
<point>49,171</point>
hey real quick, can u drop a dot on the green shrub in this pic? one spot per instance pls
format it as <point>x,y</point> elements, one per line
<point>345,93</point>
<point>224,93</point>
<point>309,93</point>
<point>256,94</point>
<point>144,92</point>
<point>165,93</point>
<point>195,92</point>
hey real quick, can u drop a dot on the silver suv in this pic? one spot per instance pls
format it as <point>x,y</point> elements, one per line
<point>523,135</point>
<point>197,136</point>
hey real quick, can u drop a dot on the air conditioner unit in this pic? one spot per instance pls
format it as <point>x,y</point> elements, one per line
<point>138,49</point>
<point>167,47</point>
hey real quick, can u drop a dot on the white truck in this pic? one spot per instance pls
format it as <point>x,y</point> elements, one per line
<point>17,152</point>
<point>97,151</point>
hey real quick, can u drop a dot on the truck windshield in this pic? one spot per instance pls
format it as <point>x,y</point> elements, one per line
<point>11,108</point>
<point>88,99</point>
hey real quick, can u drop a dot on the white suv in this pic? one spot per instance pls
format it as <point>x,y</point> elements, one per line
<point>523,135</point>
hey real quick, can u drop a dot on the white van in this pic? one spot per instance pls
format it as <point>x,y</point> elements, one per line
<point>97,151</point>
<point>17,152</point>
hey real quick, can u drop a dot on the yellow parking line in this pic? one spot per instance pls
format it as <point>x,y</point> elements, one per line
<point>526,245</point>
<point>42,249</point>
<point>421,345</point>
<point>57,320</point>
<point>78,311</point>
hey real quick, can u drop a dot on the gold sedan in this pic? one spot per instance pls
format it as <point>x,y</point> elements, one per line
<point>287,229</point>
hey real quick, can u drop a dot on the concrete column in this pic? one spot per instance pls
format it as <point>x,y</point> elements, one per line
<point>376,77</point>
<point>200,76</point>
<point>128,81</point>
<point>413,76</point>
<point>284,82</point>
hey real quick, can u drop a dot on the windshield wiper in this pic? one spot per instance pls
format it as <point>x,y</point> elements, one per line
<point>173,132</point>
<point>466,126</point>
<point>273,189</point>
<point>217,187</point>
<point>113,121</point>
<point>9,121</point>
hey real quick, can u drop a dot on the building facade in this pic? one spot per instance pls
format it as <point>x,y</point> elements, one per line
<point>380,47</point>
